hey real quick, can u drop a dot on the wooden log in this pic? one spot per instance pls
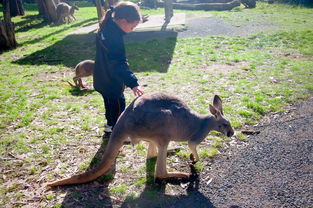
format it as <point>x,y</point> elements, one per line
<point>203,1</point>
<point>207,6</point>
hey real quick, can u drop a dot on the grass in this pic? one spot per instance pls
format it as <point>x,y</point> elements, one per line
<point>49,129</point>
<point>119,189</point>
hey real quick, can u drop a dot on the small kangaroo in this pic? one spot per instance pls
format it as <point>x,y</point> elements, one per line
<point>82,69</point>
<point>65,10</point>
<point>158,119</point>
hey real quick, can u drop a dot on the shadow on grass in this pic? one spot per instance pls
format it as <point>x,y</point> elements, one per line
<point>96,194</point>
<point>68,52</point>
<point>153,53</point>
<point>154,193</point>
<point>25,25</point>
<point>150,51</point>
<point>59,31</point>
<point>93,194</point>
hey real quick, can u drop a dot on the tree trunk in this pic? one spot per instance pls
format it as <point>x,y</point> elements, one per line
<point>7,34</point>
<point>48,9</point>
<point>100,10</point>
<point>16,8</point>
<point>41,8</point>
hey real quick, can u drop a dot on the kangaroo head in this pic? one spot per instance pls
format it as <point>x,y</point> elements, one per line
<point>222,125</point>
<point>75,7</point>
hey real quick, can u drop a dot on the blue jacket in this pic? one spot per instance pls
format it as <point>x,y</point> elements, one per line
<point>111,72</point>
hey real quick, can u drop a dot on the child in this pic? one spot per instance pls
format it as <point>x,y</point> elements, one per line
<point>111,72</point>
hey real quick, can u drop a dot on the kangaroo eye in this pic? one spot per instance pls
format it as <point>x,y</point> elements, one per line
<point>223,125</point>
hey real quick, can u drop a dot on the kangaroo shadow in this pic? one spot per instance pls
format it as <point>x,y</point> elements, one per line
<point>154,193</point>
<point>94,194</point>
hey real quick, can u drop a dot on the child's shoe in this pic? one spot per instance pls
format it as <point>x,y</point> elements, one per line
<point>107,131</point>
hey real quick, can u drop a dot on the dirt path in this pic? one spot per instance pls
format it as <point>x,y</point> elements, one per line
<point>275,169</point>
<point>201,25</point>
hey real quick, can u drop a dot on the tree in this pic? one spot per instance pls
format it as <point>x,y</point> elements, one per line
<point>47,8</point>
<point>100,9</point>
<point>7,34</point>
<point>16,8</point>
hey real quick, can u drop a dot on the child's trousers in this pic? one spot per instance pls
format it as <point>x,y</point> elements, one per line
<point>113,109</point>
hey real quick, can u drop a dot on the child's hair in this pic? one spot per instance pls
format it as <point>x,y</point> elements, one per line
<point>123,10</point>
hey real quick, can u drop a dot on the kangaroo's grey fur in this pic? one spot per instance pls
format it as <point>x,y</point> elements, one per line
<point>65,11</point>
<point>83,69</point>
<point>158,119</point>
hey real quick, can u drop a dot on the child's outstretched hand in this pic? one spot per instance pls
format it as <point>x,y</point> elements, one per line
<point>137,91</point>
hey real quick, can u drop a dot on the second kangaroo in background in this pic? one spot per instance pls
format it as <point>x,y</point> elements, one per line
<point>65,11</point>
<point>82,69</point>
<point>158,119</point>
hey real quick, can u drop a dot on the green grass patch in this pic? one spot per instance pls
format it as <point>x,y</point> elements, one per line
<point>119,190</point>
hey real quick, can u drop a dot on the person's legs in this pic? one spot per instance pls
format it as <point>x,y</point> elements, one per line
<point>113,109</point>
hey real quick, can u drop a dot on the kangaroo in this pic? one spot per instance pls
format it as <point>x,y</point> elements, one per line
<point>158,119</point>
<point>65,10</point>
<point>82,69</point>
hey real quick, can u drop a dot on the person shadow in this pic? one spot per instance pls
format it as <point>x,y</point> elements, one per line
<point>154,193</point>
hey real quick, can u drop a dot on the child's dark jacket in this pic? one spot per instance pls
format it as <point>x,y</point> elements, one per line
<point>111,72</point>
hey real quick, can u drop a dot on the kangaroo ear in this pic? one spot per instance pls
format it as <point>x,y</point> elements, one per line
<point>215,112</point>
<point>217,103</point>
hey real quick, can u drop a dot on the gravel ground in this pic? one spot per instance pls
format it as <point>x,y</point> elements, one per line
<point>274,169</point>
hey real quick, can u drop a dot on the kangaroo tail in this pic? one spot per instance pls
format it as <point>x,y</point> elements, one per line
<point>111,152</point>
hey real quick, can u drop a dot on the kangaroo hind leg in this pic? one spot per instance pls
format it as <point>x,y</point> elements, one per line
<point>152,150</point>
<point>75,79</point>
<point>161,171</point>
